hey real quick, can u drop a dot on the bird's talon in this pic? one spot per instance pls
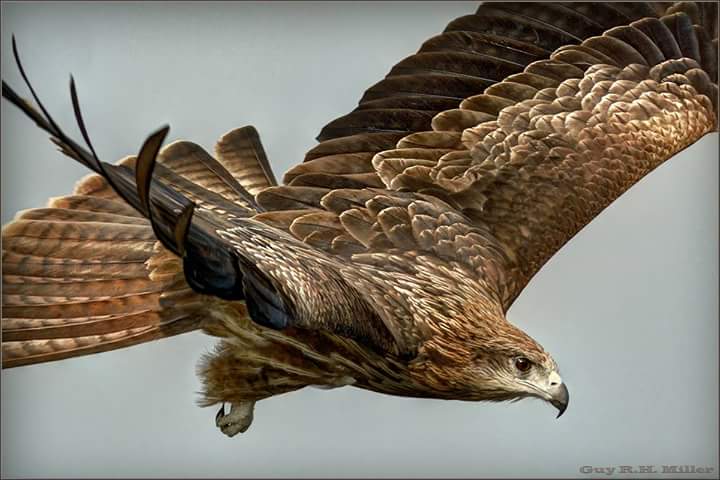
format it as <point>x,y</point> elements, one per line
<point>238,420</point>
<point>220,414</point>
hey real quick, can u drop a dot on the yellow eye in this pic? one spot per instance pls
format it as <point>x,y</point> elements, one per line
<point>523,364</point>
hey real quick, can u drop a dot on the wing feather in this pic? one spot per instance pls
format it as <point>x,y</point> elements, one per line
<point>242,154</point>
<point>546,165</point>
<point>469,60</point>
<point>559,109</point>
<point>466,167</point>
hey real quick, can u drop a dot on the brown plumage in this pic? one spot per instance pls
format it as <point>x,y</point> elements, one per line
<point>389,257</point>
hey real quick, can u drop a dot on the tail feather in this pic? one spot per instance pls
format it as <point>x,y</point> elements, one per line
<point>90,203</point>
<point>103,268</point>
<point>65,215</point>
<point>30,287</point>
<point>28,352</point>
<point>87,275</point>
<point>46,269</point>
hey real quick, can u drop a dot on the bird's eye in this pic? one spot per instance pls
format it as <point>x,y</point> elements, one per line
<point>523,364</point>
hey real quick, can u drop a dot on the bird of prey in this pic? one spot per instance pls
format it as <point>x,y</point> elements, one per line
<point>388,258</point>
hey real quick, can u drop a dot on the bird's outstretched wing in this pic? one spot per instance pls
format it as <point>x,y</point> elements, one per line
<point>505,135</point>
<point>486,150</point>
<point>474,52</point>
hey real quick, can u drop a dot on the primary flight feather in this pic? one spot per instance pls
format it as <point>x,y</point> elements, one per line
<point>388,258</point>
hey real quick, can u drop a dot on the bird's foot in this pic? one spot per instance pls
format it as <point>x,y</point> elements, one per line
<point>238,420</point>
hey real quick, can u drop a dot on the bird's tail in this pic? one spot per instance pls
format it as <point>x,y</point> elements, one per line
<point>93,271</point>
<point>86,275</point>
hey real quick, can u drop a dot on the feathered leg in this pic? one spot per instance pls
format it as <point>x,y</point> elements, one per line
<point>239,377</point>
<point>252,363</point>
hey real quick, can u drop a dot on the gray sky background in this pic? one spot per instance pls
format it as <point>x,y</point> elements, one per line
<point>628,308</point>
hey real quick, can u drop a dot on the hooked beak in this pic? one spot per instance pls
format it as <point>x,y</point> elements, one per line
<point>559,395</point>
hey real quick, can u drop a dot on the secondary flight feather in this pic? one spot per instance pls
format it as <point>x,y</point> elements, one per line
<point>388,258</point>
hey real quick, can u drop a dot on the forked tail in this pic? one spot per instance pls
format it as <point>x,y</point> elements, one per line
<point>102,268</point>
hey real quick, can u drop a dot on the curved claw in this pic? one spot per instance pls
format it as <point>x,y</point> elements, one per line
<point>238,420</point>
<point>220,414</point>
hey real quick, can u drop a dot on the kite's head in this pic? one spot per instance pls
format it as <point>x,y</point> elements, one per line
<point>495,362</point>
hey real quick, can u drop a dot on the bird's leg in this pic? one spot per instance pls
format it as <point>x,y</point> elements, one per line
<point>242,371</point>
<point>238,420</point>
<point>234,375</point>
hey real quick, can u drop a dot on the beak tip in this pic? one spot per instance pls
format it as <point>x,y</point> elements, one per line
<point>561,400</point>
<point>561,406</point>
